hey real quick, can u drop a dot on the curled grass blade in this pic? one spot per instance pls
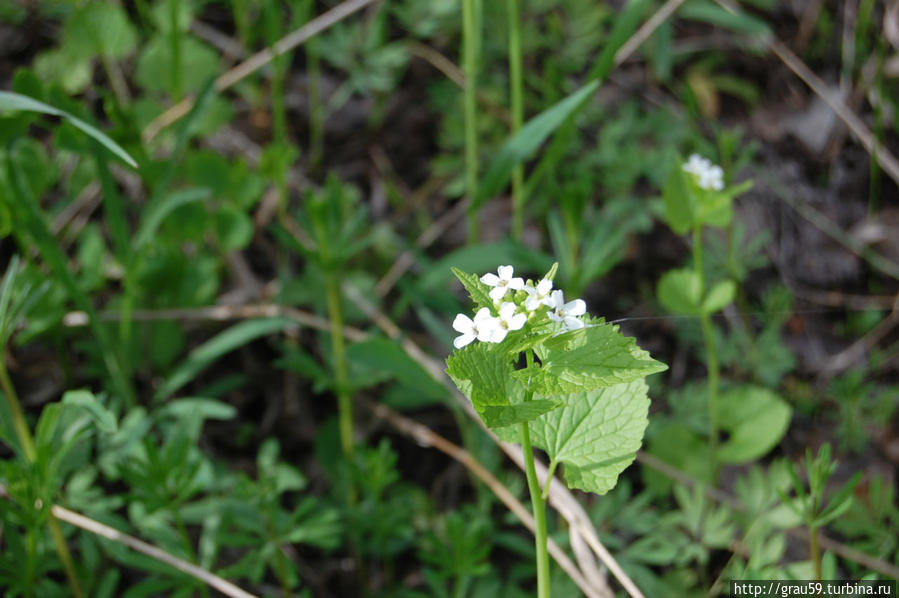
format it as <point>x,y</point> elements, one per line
<point>15,101</point>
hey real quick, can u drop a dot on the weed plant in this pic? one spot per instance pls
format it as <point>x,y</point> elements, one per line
<point>227,296</point>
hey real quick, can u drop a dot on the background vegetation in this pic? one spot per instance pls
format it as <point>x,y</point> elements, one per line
<point>231,348</point>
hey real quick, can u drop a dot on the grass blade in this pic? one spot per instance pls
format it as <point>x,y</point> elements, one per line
<point>29,214</point>
<point>15,101</point>
<point>222,343</point>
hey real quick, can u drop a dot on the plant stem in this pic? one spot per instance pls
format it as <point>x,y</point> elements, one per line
<point>27,442</point>
<point>538,504</point>
<point>711,357</point>
<point>344,401</point>
<point>470,65</point>
<point>815,551</point>
<point>316,104</point>
<point>516,90</point>
<point>175,48</point>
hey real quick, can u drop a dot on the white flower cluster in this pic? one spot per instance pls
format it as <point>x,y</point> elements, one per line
<point>493,329</point>
<point>708,176</point>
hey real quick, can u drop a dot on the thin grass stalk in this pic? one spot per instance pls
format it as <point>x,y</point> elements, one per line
<point>30,453</point>
<point>516,93</point>
<point>711,358</point>
<point>470,43</point>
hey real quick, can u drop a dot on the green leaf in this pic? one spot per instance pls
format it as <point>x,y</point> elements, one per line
<point>387,356</point>
<point>593,357</point>
<point>477,290</point>
<point>595,434</point>
<point>85,399</point>
<point>720,295</point>
<point>157,211</point>
<point>709,12</point>
<point>522,145</point>
<point>483,373</point>
<point>99,29</point>
<point>680,203</point>
<point>155,66</point>
<point>679,292</point>
<point>756,420</point>
<point>222,343</point>
<point>14,101</point>
<point>234,228</point>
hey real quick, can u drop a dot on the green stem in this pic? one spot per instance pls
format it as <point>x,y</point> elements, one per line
<point>316,107</point>
<point>344,400</point>
<point>815,551</point>
<point>188,546</point>
<point>711,357</point>
<point>516,89</point>
<point>538,504</point>
<point>470,66</point>
<point>27,442</point>
<point>175,47</point>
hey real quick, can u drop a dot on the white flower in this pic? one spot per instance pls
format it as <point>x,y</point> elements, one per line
<point>502,283</point>
<point>567,312</point>
<point>538,296</point>
<point>708,176</point>
<point>508,320</point>
<point>713,178</point>
<point>482,327</point>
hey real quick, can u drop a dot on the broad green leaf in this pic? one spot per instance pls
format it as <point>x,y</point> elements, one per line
<point>387,356</point>
<point>680,203</point>
<point>709,12</point>
<point>756,420</point>
<point>234,228</point>
<point>224,342</point>
<point>595,434</point>
<point>14,101</point>
<point>156,212</point>
<point>155,66</point>
<point>85,399</point>
<point>477,290</point>
<point>720,295</point>
<point>522,145</point>
<point>679,292</point>
<point>593,357</point>
<point>99,29</point>
<point>483,373</point>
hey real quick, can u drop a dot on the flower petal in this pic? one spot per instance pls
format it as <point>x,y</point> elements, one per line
<point>575,308</point>
<point>463,324</point>
<point>461,341</point>
<point>490,279</point>
<point>498,292</point>
<point>517,322</point>
<point>544,287</point>
<point>505,272</point>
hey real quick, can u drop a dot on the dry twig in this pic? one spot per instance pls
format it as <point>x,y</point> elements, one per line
<point>259,60</point>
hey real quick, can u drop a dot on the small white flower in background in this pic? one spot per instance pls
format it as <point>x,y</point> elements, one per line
<point>539,296</point>
<point>508,320</point>
<point>708,176</point>
<point>502,283</point>
<point>567,313</point>
<point>483,327</point>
